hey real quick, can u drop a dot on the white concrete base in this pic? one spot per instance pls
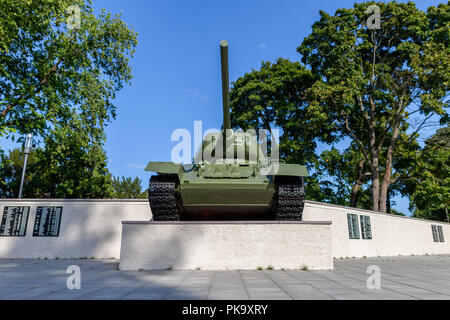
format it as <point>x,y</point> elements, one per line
<point>225,245</point>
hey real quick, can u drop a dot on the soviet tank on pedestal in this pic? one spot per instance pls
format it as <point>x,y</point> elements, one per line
<point>231,178</point>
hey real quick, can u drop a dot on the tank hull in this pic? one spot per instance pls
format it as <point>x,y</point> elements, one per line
<point>186,196</point>
<point>224,192</point>
<point>221,199</point>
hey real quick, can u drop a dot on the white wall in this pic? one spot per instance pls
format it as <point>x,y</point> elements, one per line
<point>89,228</point>
<point>225,245</point>
<point>391,235</point>
<point>92,228</point>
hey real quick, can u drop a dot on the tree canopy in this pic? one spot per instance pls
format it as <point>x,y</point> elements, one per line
<point>52,68</point>
<point>71,164</point>
<point>60,69</point>
<point>128,188</point>
<point>431,196</point>
<point>277,95</point>
<point>373,81</point>
<point>377,88</point>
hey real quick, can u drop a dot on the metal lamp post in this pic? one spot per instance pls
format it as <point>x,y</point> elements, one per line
<point>26,152</point>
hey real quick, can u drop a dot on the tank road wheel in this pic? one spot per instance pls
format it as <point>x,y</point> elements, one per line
<point>291,198</point>
<point>162,198</point>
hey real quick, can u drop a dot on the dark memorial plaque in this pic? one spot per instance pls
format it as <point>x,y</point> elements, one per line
<point>47,222</point>
<point>14,221</point>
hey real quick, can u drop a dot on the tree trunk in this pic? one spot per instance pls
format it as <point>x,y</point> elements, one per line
<point>354,195</point>
<point>388,202</point>
<point>358,184</point>
<point>375,184</point>
<point>388,167</point>
<point>383,196</point>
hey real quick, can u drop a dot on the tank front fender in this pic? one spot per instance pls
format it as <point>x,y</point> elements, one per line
<point>294,170</point>
<point>164,167</point>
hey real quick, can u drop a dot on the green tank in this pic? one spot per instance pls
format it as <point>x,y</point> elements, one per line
<point>231,178</point>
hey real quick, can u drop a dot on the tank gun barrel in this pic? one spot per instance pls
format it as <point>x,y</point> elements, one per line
<point>225,85</point>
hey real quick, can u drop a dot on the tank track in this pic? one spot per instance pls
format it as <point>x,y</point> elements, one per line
<point>291,198</point>
<point>162,198</point>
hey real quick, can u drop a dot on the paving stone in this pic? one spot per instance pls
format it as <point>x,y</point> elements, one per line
<point>345,296</point>
<point>187,296</point>
<point>109,293</point>
<point>228,294</point>
<point>415,277</point>
<point>272,296</point>
<point>144,296</point>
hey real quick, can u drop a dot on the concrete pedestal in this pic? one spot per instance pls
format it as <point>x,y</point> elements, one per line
<point>226,245</point>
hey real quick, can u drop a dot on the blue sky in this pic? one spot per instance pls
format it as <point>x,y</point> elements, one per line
<point>176,67</point>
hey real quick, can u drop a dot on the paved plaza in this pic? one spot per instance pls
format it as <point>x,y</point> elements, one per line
<point>415,277</point>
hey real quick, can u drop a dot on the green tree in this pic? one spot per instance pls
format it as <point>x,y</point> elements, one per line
<point>11,172</point>
<point>128,188</point>
<point>344,174</point>
<point>431,196</point>
<point>71,164</point>
<point>277,96</point>
<point>54,67</point>
<point>373,81</point>
<point>376,88</point>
